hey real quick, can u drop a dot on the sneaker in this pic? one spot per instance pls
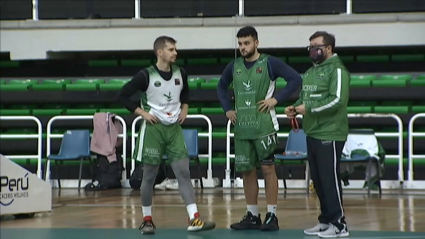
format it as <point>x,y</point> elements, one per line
<point>172,185</point>
<point>248,222</point>
<point>334,232</point>
<point>163,185</point>
<point>271,223</point>
<point>147,226</point>
<point>314,231</point>
<point>197,224</point>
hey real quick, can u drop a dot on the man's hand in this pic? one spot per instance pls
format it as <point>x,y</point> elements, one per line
<point>290,111</point>
<point>267,105</point>
<point>231,115</point>
<point>300,109</point>
<point>183,115</point>
<point>149,118</point>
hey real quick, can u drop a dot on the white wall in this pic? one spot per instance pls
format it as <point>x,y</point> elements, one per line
<point>32,40</point>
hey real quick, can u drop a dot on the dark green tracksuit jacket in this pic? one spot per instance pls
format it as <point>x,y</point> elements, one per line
<point>325,93</point>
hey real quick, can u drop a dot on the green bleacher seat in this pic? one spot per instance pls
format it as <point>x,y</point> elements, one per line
<point>359,109</point>
<point>15,112</point>
<point>85,85</point>
<point>89,81</point>
<point>9,64</point>
<point>80,111</point>
<point>103,63</point>
<point>346,59</point>
<point>23,82</point>
<point>51,85</point>
<point>280,83</point>
<point>136,62</point>
<point>202,61</point>
<point>193,111</point>
<point>212,111</point>
<point>226,60</point>
<point>373,58</point>
<point>209,85</point>
<point>391,109</point>
<point>418,108</point>
<point>20,87</point>
<point>54,82</point>
<point>2,82</point>
<point>362,80</point>
<point>408,58</point>
<point>420,77</point>
<point>47,112</point>
<point>395,77</point>
<point>219,133</point>
<point>392,81</point>
<point>118,81</point>
<point>195,83</point>
<point>417,82</point>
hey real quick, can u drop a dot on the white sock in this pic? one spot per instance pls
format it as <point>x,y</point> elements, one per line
<point>272,209</point>
<point>147,211</point>
<point>191,210</point>
<point>253,209</point>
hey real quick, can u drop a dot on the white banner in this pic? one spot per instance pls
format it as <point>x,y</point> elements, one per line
<point>22,191</point>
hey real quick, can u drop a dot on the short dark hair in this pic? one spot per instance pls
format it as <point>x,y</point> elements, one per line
<point>247,31</point>
<point>328,39</point>
<point>161,41</point>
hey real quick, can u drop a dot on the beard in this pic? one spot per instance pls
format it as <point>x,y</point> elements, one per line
<point>249,54</point>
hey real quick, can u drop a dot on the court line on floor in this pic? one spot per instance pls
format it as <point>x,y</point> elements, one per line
<point>396,237</point>
<point>219,206</point>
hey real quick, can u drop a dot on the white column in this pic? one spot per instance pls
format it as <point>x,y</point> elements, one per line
<point>35,10</point>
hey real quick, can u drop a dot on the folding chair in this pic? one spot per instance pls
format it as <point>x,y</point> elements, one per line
<point>75,146</point>
<point>296,149</point>
<point>361,158</point>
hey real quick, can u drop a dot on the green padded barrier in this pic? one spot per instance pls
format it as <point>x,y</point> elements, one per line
<point>362,103</point>
<point>391,109</point>
<point>195,83</point>
<point>418,109</point>
<point>9,64</point>
<point>54,82</point>
<point>395,77</point>
<point>209,85</point>
<point>193,111</point>
<point>48,87</point>
<point>417,82</point>
<point>20,112</point>
<point>139,62</point>
<point>408,58</point>
<point>373,58</point>
<point>212,111</point>
<point>106,87</point>
<point>80,111</point>
<point>85,85</point>
<point>347,59</point>
<point>93,106</point>
<point>280,83</point>
<point>23,82</point>
<point>47,112</point>
<point>202,61</point>
<point>420,77</point>
<point>116,111</point>
<point>359,109</point>
<point>95,63</point>
<point>226,60</point>
<point>363,77</point>
<point>360,83</point>
<point>389,83</point>
<point>26,106</point>
<point>118,81</point>
<point>21,87</point>
<point>299,59</point>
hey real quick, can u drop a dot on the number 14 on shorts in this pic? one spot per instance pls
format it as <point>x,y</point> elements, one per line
<point>271,139</point>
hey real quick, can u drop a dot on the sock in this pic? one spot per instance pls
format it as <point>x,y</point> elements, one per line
<point>192,209</point>
<point>253,209</point>
<point>147,212</point>
<point>272,209</point>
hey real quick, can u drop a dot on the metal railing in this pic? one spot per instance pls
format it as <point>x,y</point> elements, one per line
<point>412,135</point>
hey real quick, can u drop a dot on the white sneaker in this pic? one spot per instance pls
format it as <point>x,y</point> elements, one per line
<point>163,185</point>
<point>172,185</point>
<point>314,231</point>
<point>334,232</point>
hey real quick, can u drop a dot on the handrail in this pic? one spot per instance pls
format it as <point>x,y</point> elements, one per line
<point>412,134</point>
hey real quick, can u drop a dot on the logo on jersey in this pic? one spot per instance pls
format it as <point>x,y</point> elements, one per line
<point>259,70</point>
<point>248,102</point>
<point>177,81</point>
<point>247,85</point>
<point>157,84</point>
<point>321,76</point>
<point>238,71</point>
<point>168,97</point>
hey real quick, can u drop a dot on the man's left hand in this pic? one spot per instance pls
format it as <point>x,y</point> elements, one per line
<point>300,109</point>
<point>267,105</point>
<point>182,115</point>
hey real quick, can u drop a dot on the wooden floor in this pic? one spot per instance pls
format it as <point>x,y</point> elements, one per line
<point>397,214</point>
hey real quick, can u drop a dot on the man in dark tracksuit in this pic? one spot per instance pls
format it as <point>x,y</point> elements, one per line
<point>323,104</point>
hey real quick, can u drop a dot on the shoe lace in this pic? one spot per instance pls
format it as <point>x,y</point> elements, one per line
<point>246,218</point>
<point>147,224</point>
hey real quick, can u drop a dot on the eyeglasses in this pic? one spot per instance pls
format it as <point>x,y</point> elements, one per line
<point>315,47</point>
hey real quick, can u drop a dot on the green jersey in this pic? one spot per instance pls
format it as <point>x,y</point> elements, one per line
<point>325,93</point>
<point>251,86</point>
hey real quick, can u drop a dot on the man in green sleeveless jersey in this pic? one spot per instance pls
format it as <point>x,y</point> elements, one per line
<point>323,104</point>
<point>164,106</point>
<point>254,80</point>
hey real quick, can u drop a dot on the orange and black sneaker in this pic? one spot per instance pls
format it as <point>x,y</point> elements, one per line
<point>147,226</point>
<point>197,224</point>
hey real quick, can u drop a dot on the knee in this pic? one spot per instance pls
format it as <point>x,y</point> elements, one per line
<point>268,170</point>
<point>183,172</point>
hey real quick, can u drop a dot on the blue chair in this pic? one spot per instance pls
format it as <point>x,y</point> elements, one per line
<point>296,149</point>
<point>75,146</point>
<point>358,158</point>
